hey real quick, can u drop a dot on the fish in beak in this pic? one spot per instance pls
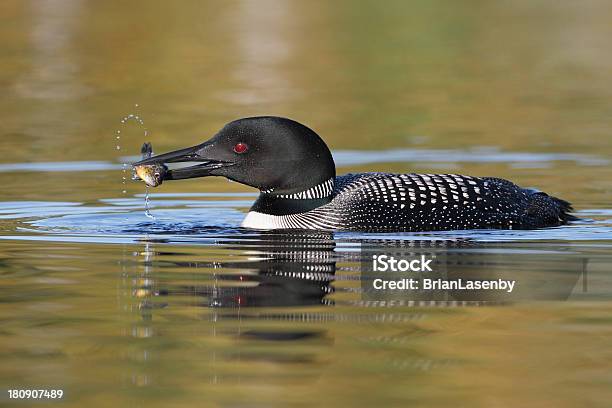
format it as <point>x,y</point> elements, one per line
<point>153,170</point>
<point>153,174</point>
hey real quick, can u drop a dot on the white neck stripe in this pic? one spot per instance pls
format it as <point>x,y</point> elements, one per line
<point>319,191</point>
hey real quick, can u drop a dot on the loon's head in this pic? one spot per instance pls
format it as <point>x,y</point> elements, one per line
<point>276,155</point>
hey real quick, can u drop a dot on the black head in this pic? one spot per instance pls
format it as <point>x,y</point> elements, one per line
<point>269,153</point>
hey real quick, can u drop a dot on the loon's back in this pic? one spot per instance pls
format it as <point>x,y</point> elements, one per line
<point>426,202</point>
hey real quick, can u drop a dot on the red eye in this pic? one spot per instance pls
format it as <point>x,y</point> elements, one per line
<point>241,148</point>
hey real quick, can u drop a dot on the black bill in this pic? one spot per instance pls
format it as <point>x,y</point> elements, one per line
<point>195,154</point>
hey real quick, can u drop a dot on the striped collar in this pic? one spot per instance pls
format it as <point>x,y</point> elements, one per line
<point>321,190</point>
<point>295,203</point>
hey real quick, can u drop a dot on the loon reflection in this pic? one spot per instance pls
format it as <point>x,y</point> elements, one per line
<point>300,269</point>
<point>280,271</point>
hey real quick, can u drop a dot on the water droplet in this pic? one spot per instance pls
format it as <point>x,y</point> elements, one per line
<point>135,105</point>
<point>118,131</point>
<point>147,210</point>
<point>118,147</point>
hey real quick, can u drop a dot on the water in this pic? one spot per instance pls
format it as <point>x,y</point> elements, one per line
<point>147,204</point>
<point>126,119</point>
<point>189,309</point>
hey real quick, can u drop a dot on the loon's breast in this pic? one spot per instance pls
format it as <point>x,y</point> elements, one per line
<point>422,202</point>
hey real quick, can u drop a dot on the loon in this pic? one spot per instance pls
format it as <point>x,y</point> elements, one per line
<point>295,173</point>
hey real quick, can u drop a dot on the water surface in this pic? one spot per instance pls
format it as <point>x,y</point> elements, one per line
<point>188,309</point>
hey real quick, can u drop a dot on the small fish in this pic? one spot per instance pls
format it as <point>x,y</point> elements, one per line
<point>152,174</point>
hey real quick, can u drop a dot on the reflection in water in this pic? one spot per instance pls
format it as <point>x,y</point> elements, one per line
<point>279,271</point>
<point>288,300</point>
<point>270,316</point>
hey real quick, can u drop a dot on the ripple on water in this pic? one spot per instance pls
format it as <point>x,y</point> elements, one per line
<point>185,218</point>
